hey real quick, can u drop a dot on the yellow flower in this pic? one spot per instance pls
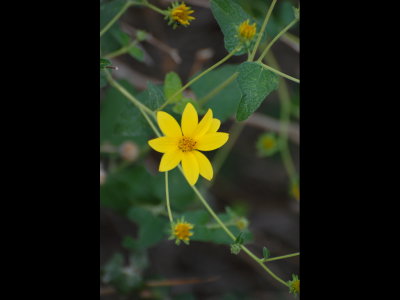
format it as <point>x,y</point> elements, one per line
<point>294,285</point>
<point>247,31</point>
<point>182,143</point>
<point>182,231</point>
<point>180,13</point>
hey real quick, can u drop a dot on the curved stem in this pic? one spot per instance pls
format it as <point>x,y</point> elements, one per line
<point>116,17</point>
<point>276,38</point>
<point>279,73</point>
<point>197,78</point>
<point>171,219</point>
<point>282,257</point>
<point>155,8</point>
<point>143,108</point>
<point>260,34</point>
<point>231,235</point>
<point>120,51</point>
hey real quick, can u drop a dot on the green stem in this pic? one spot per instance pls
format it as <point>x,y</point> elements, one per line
<point>231,235</point>
<point>276,38</point>
<point>197,78</point>
<point>279,73</point>
<point>171,219</point>
<point>204,202</point>
<point>263,266</point>
<point>282,257</point>
<point>155,8</point>
<point>263,26</point>
<point>284,96</point>
<point>116,17</point>
<point>120,51</point>
<point>218,89</point>
<point>143,108</point>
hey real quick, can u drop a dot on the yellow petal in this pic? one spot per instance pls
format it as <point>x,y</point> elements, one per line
<point>170,160</point>
<point>168,125</point>
<point>215,124</point>
<point>212,141</point>
<point>204,124</point>
<point>205,166</point>
<point>189,120</point>
<point>190,167</point>
<point>164,144</point>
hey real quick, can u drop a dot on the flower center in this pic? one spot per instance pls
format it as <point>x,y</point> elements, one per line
<point>182,231</point>
<point>186,144</point>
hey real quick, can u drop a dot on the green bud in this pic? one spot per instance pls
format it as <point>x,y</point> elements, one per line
<point>267,144</point>
<point>141,35</point>
<point>266,253</point>
<point>294,285</point>
<point>235,248</point>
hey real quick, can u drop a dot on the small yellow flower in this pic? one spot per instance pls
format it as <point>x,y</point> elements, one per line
<point>242,223</point>
<point>182,143</point>
<point>247,31</point>
<point>267,144</point>
<point>181,232</point>
<point>294,285</point>
<point>180,13</point>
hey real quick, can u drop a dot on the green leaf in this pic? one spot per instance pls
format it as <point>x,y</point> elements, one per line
<point>172,84</point>
<point>141,35</point>
<point>128,187</point>
<point>256,83</point>
<point>123,38</point>
<point>153,97</point>
<point>266,253</point>
<point>104,63</point>
<point>136,52</point>
<point>108,10</point>
<point>120,120</point>
<point>225,103</point>
<point>103,80</point>
<point>152,229</point>
<point>229,16</point>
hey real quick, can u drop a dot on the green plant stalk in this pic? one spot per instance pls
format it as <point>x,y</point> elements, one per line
<point>120,51</point>
<point>281,257</point>
<point>284,96</point>
<point>116,17</point>
<point>263,26</point>
<point>276,38</point>
<point>155,8</point>
<point>218,89</point>
<point>279,73</point>
<point>197,78</point>
<point>231,235</point>
<point>171,219</point>
<point>143,108</point>
<point>204,202</point>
